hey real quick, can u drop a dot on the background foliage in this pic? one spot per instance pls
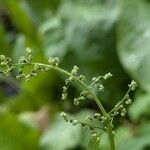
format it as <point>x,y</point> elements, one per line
<point>100,36</point>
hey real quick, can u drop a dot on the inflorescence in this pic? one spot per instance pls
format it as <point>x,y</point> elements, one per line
<point>7,67</point>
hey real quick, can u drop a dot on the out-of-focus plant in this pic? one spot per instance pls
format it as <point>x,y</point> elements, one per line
<point>98,123</point>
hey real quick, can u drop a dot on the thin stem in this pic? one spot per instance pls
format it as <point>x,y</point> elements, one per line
<point>111,137</point>
<point>87,124</point>
<point>110,134</point>
<point>82,83</point>
<point>121,102</point>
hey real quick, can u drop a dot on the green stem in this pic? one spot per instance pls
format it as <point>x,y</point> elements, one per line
<point>110,134</point>
<point>111,137</point>
<point>82,83</point>
<point>121,102</point>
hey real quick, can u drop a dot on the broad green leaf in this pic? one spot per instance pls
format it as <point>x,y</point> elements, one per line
<point>60,136</point>
<point>133,40</point>
<point>84,27</point>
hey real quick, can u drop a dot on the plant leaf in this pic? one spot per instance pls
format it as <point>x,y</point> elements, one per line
<point>133,40</point>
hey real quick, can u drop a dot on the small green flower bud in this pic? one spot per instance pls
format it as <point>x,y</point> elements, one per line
<point>132,85</point>
<point>103,119</point>
<point>37,68</point>
<point>56,61</point>
<point>81,98</point>
<point>129,101</point>
<point>2,57</point>
<point>116,113</point>
<point>74,70</point>
<point>27,77</point>
<point>97,115</point>
<point>88,118</point>
<point>18,77</point>
<point>33,74</point>
<point>100,87</point>
<point>64,96</point>
<point>64,89</point>
<point>53,61</point>
<point>122,114</point>
<point>94,79</point>
<point>94,134</point>
<point>64,116</point>
<point>75,122</point>
<point>71,79</point>
<point>82,78</point>
<point>84,94</point>
<point>28,50</point>
<point>121,106</point>
<point>76,101</point>
<point>107,76</point>
<point>50,61</point>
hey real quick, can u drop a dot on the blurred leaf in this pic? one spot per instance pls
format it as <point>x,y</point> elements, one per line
<point>78,34</point>
<point>28,118</point>
<point>36,93</point>
<point>4,44</point>
<point>20,17</point>
<point>140,107</point>
<point>60,136</point>
<point>15,136</point>
<point>133,40</point>
<point>19,48</point>
<point>144,128</point>
<point>23,21</point>
<point>67,135</point>
<point>84,27</point>
<point>40,8</point>
<point>137,143</point>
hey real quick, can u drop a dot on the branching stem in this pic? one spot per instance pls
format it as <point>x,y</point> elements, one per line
<point>87,88</point>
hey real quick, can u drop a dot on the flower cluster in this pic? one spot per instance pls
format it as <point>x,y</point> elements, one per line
<point>73,76</point>
<point>87,123</point>
<point>96,81</point>
<point>54,61</point>
<point>27,58</point>
<point>6,65</point>
<point>132,85</point>
<point>104,120</point>
<point>120,107</point>
<point>83,96</point>
<point>65,87</point>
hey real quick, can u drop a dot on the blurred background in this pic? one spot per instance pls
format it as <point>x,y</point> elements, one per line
<point>100,36</point>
